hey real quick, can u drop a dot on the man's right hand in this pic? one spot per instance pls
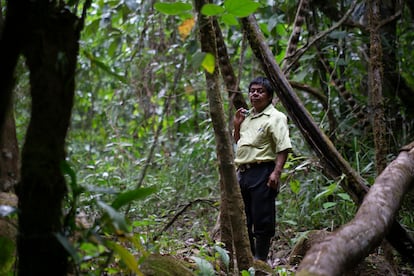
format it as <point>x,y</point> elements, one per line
<point>239,116</point>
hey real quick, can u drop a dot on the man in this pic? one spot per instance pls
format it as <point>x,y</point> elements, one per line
<point>263,144</point>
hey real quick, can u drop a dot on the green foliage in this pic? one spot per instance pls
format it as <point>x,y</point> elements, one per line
<point>7,252</point>
<point>173,8</point>
<point>136,74</point>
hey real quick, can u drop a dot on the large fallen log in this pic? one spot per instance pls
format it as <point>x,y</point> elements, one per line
<point>352,242</point>
<point>334,164</point>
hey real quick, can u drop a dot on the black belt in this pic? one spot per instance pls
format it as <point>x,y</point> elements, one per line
<point>248,166</point>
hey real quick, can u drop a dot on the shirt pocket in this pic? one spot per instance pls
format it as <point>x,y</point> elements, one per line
<point>261,139</point>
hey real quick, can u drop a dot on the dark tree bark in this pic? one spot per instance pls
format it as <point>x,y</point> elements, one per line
<point>224,149</point>
<point>375,88</point>
<point>48,36</point>
<point>352,242</point>
<point>9,155</point>
<point>9,152</point>
<point>334,164</point>
<point>226,69</point>
<point>10,47</point>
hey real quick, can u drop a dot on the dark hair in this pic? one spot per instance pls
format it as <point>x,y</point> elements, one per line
<point>263,82</point>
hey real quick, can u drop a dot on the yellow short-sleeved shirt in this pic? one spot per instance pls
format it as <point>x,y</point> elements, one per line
<point>262,136</point>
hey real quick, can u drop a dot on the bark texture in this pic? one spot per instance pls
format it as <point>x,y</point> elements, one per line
<point>352,242</point>
<point>375,88</point>
<point>9,154</point>
<point>334,164</point>
<point>224,149</point>
<point>50,47</point>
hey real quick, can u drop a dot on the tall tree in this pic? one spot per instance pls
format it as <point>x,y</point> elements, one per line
<point>229,185</point>
<point>9,152</point>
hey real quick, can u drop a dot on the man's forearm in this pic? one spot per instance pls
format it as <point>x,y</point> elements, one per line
<point>281,160</point>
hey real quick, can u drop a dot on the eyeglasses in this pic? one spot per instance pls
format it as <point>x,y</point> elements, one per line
<point>258,90</point>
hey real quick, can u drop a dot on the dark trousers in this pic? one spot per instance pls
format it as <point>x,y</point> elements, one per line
<point>259,203</point>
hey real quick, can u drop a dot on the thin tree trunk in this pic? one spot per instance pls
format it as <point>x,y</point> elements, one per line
<point>10,48</point>
<point>227,72</point>
<point>334,164</point>
<point>224,150</point>
<point>51,55</point>
<point>352,242</point>
<point>375,88</point>
<point>9,154</point>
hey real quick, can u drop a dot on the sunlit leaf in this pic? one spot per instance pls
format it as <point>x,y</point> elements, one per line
<point>295,186</point>
<point>209,63</point>
<point>129,196</point>
<point>241,8</point>
<point>172,8</point>
<point>327,191</point>
<point>125,256</point>
<point>212,9</point>
<point>345,196</point>
<point>185,28</point>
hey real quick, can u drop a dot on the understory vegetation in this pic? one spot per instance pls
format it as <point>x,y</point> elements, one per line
<point>141,166</point>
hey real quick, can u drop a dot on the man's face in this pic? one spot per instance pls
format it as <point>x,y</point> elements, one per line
<point>259,98</point>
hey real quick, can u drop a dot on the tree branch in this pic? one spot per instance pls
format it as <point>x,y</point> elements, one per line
<point>375,218</point>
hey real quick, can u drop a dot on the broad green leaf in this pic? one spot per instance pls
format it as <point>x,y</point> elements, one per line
<point>129,196</point>
<point>230,19</point>
<point>209,63</point>
<point>117,219</point>
<point>125,256</point>
<point>212,9</point>
<point>328,205</point>
<point>241,8</point>
<point>295,186</point>
<point>345,196</point>
<point>172,8</point>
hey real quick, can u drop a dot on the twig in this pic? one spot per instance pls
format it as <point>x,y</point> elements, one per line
<point>317,37</point>
<point>179,213</point>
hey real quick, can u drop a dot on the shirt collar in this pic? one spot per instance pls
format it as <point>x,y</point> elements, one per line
<point>267,111</point>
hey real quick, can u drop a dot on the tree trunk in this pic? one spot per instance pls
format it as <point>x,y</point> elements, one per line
<point>375,76</point>
<point>224,150</point>
<point>227,72</point>
<point>334,164</point>
<point>10,47</point>
<point>9,158</point>
<point>352,242</point>
<point>51,53</point>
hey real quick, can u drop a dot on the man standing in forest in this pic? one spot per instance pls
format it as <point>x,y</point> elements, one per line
<point>263,144</point>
